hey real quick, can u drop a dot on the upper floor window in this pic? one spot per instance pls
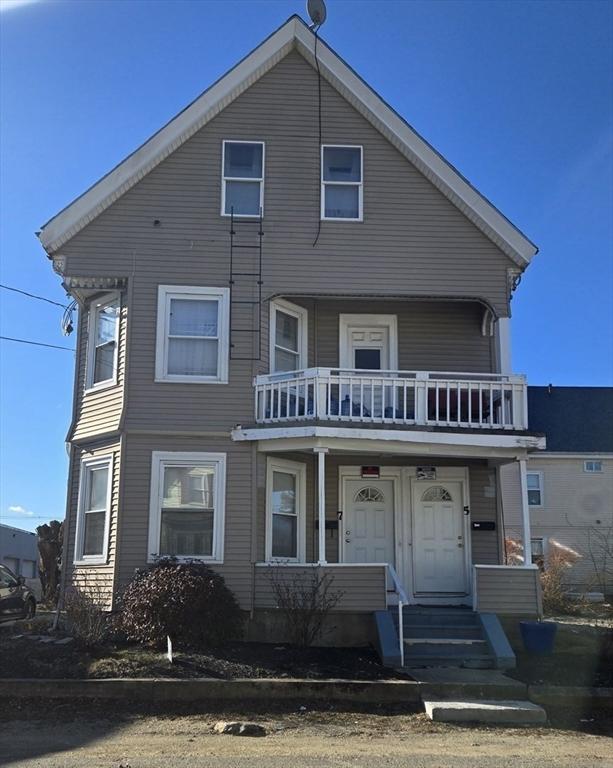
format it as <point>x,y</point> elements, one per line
<point>186,518</point>
<point>288,336</point>
<point>592,466</point>
<point>103,342</point>
<point>242,187</point>
<point>341,182</point>
<point>192,334</point>
<point>93,512</point>
<point>535,488</point>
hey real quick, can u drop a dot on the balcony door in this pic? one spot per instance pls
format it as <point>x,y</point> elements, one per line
<point>368,342</point>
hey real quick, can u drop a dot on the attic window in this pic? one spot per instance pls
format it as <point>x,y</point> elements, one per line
<point>592,466</point>
<point>341,183</point>
<point>242,187</point>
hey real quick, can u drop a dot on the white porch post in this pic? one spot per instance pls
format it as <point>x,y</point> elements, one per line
<point>525,512</point>
<point>321,502</point>
<point>503,344</point>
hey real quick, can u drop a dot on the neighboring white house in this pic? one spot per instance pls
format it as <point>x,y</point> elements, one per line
<point>570,485</point>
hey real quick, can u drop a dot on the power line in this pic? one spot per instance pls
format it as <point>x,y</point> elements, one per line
<point>32,295</point>
<point>37,343</point>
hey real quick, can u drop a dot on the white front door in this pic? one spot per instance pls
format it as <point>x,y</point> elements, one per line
<point>439,559</point>
<point>368,521</point>
<point>369,348</point>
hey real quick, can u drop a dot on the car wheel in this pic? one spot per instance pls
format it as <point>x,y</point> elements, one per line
<point>30,609</point>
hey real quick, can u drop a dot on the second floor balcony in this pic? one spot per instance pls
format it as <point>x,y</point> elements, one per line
<point>411,398</point>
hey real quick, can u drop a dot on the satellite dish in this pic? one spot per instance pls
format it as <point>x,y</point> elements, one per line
<point>317,11</point>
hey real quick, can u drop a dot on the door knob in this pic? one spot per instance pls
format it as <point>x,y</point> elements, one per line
<point>347,541</point>
<point>460,545</point>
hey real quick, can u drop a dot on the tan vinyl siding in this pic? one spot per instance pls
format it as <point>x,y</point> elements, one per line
<point>483,508</point>
<point>577,511</point>
<point>413,241</point>
<point>97,579</point>
<point>508,591</point>
<point>236,567</point>
<point>362,588</point>
<point>432,336</point>
<point>99,411</point>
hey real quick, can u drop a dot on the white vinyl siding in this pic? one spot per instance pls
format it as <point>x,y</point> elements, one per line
<point>187,511</point>
<point>102,346</point>
<point>285,511</point>
<point>341,182</point>
<point>242,187</point>
<point>93,513</point>
<point>192,335</point>
<point>288,337</point>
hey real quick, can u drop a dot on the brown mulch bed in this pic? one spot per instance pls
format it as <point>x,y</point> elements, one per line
<point>26,657</point>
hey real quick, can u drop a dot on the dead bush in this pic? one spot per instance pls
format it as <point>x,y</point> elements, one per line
<point>554,583</point>
<point>87,620</point>
<point>305,600</point>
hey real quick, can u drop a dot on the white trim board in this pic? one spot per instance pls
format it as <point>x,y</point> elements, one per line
<point>294,34</point>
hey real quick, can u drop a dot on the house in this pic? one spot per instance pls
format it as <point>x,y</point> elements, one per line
<point>570,485</point>
<point>19,552</point>
<point>294,352</point>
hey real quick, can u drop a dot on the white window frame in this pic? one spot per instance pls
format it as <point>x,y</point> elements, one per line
<point>95,308</point>
<point>225,179</point>
<point>165,294</point>
<point>359,184</point>
<point>87,466</point>
<point>298,469</point>
<point>162,459</point>
<point>593,462</point>
<point>301,314</point>
<point>544,542</point>
<point>541,488</point>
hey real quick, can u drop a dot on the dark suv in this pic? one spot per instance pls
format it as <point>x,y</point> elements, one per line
<point>17,601</point>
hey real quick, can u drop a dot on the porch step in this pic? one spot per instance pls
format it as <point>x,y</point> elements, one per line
<point>445,647</point>
<point>463,631</point>
<point>439,617</point>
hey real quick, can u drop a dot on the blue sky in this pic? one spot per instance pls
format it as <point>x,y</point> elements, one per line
<point>515,94</point>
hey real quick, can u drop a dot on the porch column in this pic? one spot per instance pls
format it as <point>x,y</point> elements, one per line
<point>525,512</point>
<point>321,502</point>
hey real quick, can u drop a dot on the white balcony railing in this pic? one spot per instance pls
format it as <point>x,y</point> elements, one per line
<point>469,400</point>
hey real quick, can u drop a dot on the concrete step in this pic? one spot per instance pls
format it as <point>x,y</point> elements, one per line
<point>442,618</point>
<point>445,647</point>
<point>467,642</point>
<point>468,631</point>
<point>488,711</point>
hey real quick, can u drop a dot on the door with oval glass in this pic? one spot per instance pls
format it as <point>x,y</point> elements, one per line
<point>439,555</point>
<point>368,521</point>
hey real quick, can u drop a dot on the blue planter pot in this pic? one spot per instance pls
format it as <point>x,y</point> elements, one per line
<point>538,636</point>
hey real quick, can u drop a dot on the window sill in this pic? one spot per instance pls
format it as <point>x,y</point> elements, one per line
<point>189,380</point>
<point>358,220</point>
<point>93,561</point>
<point>186,559</point>
<point>101,387</point>
<point>254,216</point>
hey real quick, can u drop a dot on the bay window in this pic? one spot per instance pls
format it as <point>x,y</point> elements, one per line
<point>93,511</point>
<point>103,336</point>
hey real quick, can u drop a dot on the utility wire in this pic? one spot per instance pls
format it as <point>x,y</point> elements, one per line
<point>37,343</point>
<point>32,296</point>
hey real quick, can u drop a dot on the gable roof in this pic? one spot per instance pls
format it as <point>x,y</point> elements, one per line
<point>574,419</point>
<point>294,34</point>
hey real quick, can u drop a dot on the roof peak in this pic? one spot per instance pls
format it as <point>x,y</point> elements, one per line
<point>292,34</point>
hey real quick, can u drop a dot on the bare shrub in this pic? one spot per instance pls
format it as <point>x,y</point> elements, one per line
<point>513,551</point>
<point>305,600</point>
<point>85,614</point>
<point>553,582</point>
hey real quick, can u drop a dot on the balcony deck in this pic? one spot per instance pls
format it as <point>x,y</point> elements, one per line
<point>411,398</point>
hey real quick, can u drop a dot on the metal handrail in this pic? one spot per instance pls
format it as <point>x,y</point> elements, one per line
<point>402,601</point>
